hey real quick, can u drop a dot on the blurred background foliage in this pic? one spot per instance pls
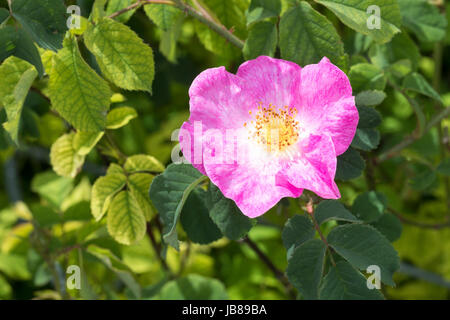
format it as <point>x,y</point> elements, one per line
<point>37,243</point>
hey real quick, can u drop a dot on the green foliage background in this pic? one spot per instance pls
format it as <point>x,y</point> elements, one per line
<point>87,117</point>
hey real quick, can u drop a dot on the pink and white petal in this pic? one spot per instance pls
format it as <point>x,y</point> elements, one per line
<point>326,104</point>
<point>273,81</point>
<point>219,99</point>
<point>314,167</point>
<point>191,146</point>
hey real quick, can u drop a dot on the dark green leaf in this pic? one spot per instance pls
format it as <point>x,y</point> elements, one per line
<point>44,20</point>
<point>416,82</point>
<point>332,210</point>
<point>4,14</point>
<point>350,165</point>
<point>444,167</point>
<point>305,268</point>
<point>424,180</point>
<point>262,40</point>
<point>389,225</point>
<point>369,206</point>
<point>368,118</point>
<point>365,76</point>
<point>297,230</point>
<point>226,215</point>
<point>343,282</point>
<point>369,98</point>
<point>366,139</point>
<point>363,246</point>
<point>263,9</point>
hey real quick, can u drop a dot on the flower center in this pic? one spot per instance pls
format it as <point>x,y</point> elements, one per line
<point>274,128</point>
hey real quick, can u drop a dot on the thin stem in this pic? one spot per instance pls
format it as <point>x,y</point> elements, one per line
<point>310,211</point>
<point>436,226</point>
<point>138,4</point>
<point>265,259</point>
<point>411,138</point>
<point>157,247</point>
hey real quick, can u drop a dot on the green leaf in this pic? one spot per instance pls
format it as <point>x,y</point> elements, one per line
<point>97,11</point>
<point>343,282</point>
<point>226,215</point>
<point>116,5</point>
<point>84,142</point>
<point>369,206</point>
<point>306,36</point>
<point>365,76</point>
<point>424,180</point>
<point>126,222</point>
<point>332,210</point>
<point>143,162</point>
<point>14,41</point>
<point>231,15</point>
<point>193,287</point>
<point>196,221</point>
<point>64,158</point>
<point>423,19</point>
<point>103,190</point>
<point>169,192</point>
<point>368,117</point>
<point>363,246</point>
<point>366,139</point>
<point>52,187</point>
<point>121,54</point>
<point>76,91</point>
<point>120,117</point>
<point>353,13</point>
<point>169,39</point>
<point>263,9</point>
<point>17,77</point>
<point>44,20</point>
<point>369,98</point>
<point>350,165</point>
<point>138,185</point>
<point>164,16</point>
<point>262,40</point>
<point>389,226</point>
<point>4,14</point>
<point>444,167</point>
<point>296,231</point>
<point>14,266</point>
<point>305,268</point>
<point>416,82</point>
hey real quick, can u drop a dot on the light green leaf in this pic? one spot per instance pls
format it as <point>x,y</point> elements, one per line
<point>305,268</point>
<point>354,14</point>
<point>122,55</point>
<point>226,215</point>
<point>196,221</point>
<point>193,287</point>
<point>5,288</point>
<point>125,220</point>
<point>119,117</point>
<point>332,210</point>
<point>52,187</point>
<point>84,142</point>
<point>169,39</point>
<point>296,231</point>
<point>14,266</point>
<point>369,206</point>
<point>263,9</point>
<point>369,98</point>
<point>44,20</point>
<point>424,19</point>
<point>365,76</point>
<point>389,226</point>
<point>117,5</point>
<point>350,165</point>
<point>143,162</point>
<point>164,16</point>
<point>17,77</point>
<point>64,158</point>
<point>103,190</point>
<point>98,10</point>
<point>363,246</point>
<point>416,82</point>
<point>76,91</point>
<point>138,185</point>
<point>15,41</point>
<point>169,192</point>
<point>343,282</point>
<point>262,40</point>
<point>306,36</point>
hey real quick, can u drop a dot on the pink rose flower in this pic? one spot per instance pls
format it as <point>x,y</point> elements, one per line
<point>270,131</point>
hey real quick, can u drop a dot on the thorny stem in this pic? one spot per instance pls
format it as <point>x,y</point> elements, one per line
<point>265,259</point>
<point>310,211</point>
<point>202,15</point>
